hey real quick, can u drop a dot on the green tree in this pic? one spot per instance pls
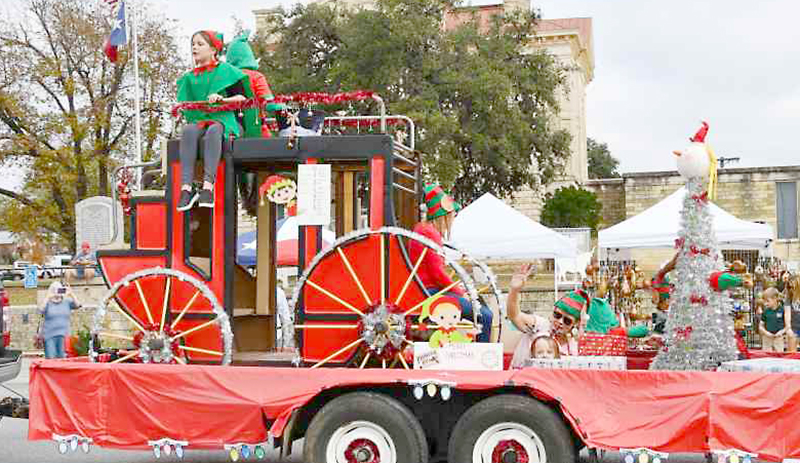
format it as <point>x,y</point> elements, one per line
<point>66,112</point>
<point>601,163</point>
<point>571,207</point>
<point>482,100</point>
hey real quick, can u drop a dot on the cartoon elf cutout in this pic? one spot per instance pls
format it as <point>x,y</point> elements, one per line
<point>280,190</point>
<point>445,311</point>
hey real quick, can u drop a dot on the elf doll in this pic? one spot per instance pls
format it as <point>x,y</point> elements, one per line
<point>241,55</point>
<point>280,190</point>
<point>217,83</point>
<point>445,311</point>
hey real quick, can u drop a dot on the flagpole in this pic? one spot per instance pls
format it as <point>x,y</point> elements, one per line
<point>137,92</point>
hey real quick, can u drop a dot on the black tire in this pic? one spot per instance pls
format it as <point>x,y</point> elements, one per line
<point>395,418</point>
<point>546,424</point>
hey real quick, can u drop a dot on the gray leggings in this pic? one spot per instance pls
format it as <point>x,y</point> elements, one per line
<point>212,151</point>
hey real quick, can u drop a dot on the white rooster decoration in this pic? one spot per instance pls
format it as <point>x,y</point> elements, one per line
<point>698,160</point>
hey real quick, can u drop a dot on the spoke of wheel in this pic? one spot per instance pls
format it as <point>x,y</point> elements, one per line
<point>484,289</point>
<point>353,274</point>
<point>383,271</point>
<point>410,277</point>
<point>383,363</point>
<point>144,302</point>
<point>192,330</point>
<point>185,308</point>
<point>364,362</point>
<point>130,319</point>
<point>446,289</point>
<point>334,297</point>
<point>201,351</point>
<point>166,303</point>
<point>335,354</point>
<point>115,336</point>
<point>403,361</point>
<point>334,327</point>
<point>127,357</point>
<point>179,360</point>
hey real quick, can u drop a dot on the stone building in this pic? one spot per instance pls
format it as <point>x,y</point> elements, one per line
<point>758,194</point>
<point>570,41</point>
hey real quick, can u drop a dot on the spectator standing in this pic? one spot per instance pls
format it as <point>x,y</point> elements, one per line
<point>56,314</point>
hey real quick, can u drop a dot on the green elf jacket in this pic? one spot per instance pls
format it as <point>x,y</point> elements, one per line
<point>197,86</point>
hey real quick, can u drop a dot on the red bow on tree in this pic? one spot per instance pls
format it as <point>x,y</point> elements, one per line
<point>699,300</point>
<point>695,251</point>
<point>684,333</point>
<point>679,243</point>
<point>701,198</point>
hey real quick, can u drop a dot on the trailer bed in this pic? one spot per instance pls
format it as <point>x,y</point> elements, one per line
<point>126,405</point>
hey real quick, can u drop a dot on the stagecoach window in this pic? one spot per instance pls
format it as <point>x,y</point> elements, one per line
<point>362,201</point>
<point>198,240</point>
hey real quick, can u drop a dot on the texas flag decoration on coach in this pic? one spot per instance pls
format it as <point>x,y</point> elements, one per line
<point>118,35</point>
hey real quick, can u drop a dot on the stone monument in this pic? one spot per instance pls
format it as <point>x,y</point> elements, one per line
<point>94,223</point>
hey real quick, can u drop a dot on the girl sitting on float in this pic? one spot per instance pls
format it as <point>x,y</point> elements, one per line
<point>440,210</point>
<point>217,83</point>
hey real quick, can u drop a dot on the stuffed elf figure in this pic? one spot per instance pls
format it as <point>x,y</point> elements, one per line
<point>602,320</point>
<point>241,55</point>
<point>725,280</point>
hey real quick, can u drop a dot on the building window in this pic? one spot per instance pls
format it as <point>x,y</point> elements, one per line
<point>786,199</point>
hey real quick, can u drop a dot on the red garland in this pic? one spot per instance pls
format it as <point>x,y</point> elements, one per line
<point>215,108</point>
<point>701,198</point>
<point>505,446</point>
<point>699,300</point>
<point>684,333</point>
<point>351,123</point>
<point>324,98</point>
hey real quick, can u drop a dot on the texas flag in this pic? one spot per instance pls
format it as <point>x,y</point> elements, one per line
<point>118,35</point>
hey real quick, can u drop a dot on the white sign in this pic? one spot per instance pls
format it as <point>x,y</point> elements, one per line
<point>94,222</point>
<point>595,362</point>
<point>314,194</point>
<point>459,356</point>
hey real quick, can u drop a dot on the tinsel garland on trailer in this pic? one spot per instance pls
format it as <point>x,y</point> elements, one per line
<point>699,332</point>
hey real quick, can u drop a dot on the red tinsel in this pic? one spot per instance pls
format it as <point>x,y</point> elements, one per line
<point>695,299</point>
<point>207,107</point>
<point>124,190</point>
<point>505,446</point>
<point>390,121</point>
<point>324,98</point>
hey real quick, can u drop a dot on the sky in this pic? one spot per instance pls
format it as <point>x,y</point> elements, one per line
<point>660,68</point>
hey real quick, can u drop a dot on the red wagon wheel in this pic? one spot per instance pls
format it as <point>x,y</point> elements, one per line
<point>358,302</point>
<point>161,315</point>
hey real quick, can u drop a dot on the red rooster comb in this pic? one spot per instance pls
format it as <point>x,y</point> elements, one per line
<point>700,136</point>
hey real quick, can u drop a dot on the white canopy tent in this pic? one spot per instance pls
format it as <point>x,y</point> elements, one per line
<point>657,227</point>
<point>490,229</point>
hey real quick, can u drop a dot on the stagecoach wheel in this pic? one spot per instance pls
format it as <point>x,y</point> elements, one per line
<point>381,309</point>
<point>365,427</point>
<point>511,429</point>
<point>161,316</point>
<point>488,287</point>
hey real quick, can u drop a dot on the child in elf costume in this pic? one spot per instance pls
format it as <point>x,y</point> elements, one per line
<point>445,311</point>
<point>217,83</point>
<point>440,210</point>
<point>241,56</point>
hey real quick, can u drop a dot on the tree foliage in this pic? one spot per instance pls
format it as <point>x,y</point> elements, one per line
<point>601,163</point>
<point>483,100</point>
<point>571,207</point>
<point>67,113</point>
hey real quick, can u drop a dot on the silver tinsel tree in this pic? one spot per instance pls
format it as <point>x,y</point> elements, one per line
<point>699,332</point>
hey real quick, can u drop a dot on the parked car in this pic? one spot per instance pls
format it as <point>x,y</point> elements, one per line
<point>18,272</point>
<point>5,320</point>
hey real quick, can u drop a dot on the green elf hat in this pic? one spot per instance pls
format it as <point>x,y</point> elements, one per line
<point>721,281</point>
<point>661,287</point>
<point>240,54</point>
<point>437,202</point>
<point>573,303</point>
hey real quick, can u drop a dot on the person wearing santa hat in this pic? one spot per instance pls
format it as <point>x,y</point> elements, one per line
<point>217,83</point>
<point>440,210</point>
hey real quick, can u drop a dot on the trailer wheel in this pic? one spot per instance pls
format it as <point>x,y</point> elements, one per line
<point>364,427</point>
<point>511,429</point>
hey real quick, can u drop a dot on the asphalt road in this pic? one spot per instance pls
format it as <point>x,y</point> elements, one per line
<point>15,447</point>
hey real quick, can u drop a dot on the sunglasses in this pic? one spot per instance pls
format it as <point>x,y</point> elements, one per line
<point>564,319</point>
